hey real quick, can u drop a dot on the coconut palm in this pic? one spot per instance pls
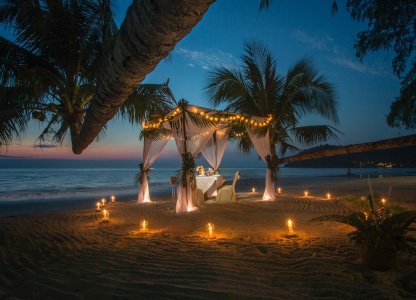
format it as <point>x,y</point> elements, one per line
<point>50,72</point>
<point>257,89</point>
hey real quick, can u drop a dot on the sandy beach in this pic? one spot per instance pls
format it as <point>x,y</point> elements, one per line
<point>73,255</point>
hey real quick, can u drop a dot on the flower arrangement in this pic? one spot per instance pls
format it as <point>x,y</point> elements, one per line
<point>200,170</point>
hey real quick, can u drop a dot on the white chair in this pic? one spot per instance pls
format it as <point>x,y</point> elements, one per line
<point>227,192</point>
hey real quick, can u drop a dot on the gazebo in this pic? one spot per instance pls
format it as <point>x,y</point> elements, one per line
<point>198,130</point>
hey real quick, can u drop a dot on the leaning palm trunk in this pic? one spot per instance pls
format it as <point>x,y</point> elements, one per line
<point>409,140</point>
<point>148,34</point>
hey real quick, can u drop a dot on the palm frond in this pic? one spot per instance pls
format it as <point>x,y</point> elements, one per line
<point>310,135</point>
<point>147,100</point>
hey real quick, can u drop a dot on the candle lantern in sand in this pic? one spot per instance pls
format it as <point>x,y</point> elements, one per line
<point>279,190</point>
<point>290,227</point>
<point>253,190</point>
<point>98,206</point>
<point>328,196</point>
<point>210,227</point>
<point>306,193</point>
<point>113,199</point>
<point>143,226</point>
<point>106,215</point>
<point>103,202</point>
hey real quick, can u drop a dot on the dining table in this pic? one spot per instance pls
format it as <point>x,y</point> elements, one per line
<point>209,184</point>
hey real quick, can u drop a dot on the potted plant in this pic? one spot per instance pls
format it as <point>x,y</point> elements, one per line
<point>378,233</point>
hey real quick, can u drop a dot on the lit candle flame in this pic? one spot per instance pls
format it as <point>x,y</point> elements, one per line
<point>279,190</point>
<point>383,201</point>
<point>366,216</point>
<point>143,225</point>
<point>106,215</point>
<point>103,201</point>
<point>290,226</point>
<point>113,199</point>
<point>253,190</point>
<point>98,206</point>
<point>306,193</point>
<point>210,227</point>
<point>328,196</point>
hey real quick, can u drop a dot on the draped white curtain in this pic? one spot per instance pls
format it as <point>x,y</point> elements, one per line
<point>151,151</point>
<point>215,148</point>
<point>262,146</point>
<point>196,139</point>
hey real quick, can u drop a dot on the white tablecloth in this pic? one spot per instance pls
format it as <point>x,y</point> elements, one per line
<point>209,184</point>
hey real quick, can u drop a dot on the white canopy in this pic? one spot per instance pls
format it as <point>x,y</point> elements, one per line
<point>201,130</point>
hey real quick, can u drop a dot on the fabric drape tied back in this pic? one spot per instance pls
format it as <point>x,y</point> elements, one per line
<point>152,148</point>
<point>262,145</point>
<point>215,148</point>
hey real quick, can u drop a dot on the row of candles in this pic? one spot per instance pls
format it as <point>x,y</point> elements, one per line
<point>328,196</point>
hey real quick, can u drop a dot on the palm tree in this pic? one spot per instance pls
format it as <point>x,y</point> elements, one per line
<point>51,70</point>
<point>257,89</point>
<point>148,34</point>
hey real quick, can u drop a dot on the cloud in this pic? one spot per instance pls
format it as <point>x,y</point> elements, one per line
<point>44,146</point>
<point>335,54</point>
<point>10,157</point>
<point>355,65</point>
<point>207,59</point>
<point>320,43</point>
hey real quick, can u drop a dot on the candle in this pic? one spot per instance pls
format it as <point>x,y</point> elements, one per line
<point>383,201</point>
<point>290,226</point>
<point>328,196</point>
<point>279,190</point>
<point>144,225</point>
<point>253,190</point>
<point>97,206</point>
<point>210,228</point>
<point>106,215</point>
<point>306,193</point>
<point>113,199</point>
<point>366,216</point>
<point>103,201</point>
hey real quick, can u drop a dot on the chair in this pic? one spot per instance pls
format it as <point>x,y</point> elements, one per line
<point>172,182</point>
<point>198,198</point>
<point>227,192</point>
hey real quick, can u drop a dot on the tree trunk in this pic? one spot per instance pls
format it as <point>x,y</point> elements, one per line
<point>409,140</point>
<point>148,34</point>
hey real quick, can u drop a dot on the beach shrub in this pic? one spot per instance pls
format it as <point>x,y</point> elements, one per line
<point>379,234</point>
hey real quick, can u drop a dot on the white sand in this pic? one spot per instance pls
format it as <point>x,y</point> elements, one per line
<point>73,255</point>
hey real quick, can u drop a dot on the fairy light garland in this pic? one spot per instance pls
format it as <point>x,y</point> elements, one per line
<point>219,118</point>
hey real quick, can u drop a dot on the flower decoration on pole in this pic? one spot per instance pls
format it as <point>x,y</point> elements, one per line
<point>273,165</point>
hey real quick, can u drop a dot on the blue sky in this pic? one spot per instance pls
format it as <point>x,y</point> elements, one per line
<point>291,29</point>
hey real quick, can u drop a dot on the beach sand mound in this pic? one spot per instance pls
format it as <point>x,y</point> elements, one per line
<point>75,255</point>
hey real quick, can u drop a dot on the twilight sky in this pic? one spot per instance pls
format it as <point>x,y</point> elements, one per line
<point>291,29</point>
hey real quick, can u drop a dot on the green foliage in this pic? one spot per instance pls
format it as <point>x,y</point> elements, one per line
<point>257,89</point>
<point>377,226</point>
<point>49,71</point>
<point>273,166</point>
<point>391,26</point>
<point>188,170</point>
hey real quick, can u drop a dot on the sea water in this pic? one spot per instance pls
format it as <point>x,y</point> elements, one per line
<point>69,184</point>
